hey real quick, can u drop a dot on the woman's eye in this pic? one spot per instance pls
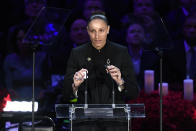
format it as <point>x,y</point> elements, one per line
<point>101,30</point>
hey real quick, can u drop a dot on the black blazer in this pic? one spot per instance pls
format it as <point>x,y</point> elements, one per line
<point>118,56</point>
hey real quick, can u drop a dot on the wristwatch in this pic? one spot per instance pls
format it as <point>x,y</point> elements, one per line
<point>121,86</point>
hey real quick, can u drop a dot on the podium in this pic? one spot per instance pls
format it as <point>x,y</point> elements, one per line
<point>100,111</point>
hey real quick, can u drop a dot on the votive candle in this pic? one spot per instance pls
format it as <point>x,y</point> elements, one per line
<point>188,89</point>
<point>148,81</point>
<point>164,88</point>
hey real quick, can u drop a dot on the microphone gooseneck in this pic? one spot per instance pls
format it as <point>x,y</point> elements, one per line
<point>88,59</point>
<point>113,91</point>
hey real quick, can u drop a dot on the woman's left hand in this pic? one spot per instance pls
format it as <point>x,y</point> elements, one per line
<point>115,74</point>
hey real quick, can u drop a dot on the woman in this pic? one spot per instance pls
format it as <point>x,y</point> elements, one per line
<point>108,66</point>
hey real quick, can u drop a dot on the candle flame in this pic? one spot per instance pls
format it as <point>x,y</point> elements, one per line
<point>6,99</point>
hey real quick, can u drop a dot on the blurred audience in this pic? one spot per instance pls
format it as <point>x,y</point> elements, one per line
<point>1,72</point>
<point>143,58</point>
<point>135,38</point>
<point>182,59</point>
<point>116,10</point>
<point>145,11</point>
<point>32,8</point>
<point>78,32</point>
<point>140,8</point>
<point>18,67</point>
<point>143,7</point>
<point>73,34</point>
<point>2,55</point>
<point>90,6</point>
<point>175,18</point>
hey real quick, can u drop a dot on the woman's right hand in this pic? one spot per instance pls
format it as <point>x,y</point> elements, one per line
<point>78,78</point>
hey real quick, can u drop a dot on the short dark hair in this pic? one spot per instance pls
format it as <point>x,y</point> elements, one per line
<point>98,15</point>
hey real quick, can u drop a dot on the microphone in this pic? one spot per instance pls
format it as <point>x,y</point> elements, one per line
<point>108,62</point>
<point>88,59</point>
<point>113,91</point>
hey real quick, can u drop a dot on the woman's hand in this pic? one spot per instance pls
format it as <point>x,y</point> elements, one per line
<point>115,74</point>
<point>78,78</point>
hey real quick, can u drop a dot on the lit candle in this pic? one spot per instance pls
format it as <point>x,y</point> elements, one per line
<point>164,88</point>
<point>188,89</point>
<point>148,81</point>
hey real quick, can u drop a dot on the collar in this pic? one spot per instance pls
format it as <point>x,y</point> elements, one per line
<point>102,49</point>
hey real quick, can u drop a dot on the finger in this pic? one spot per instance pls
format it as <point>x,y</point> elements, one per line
<point>83,74</point>
<point>78,76</point>
<point>115,70</point>
<point>110,67</point>
<point>114,74</point>
<point>84,70</point>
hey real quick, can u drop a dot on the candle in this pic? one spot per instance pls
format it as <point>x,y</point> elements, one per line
<point>148,81</point>
<point>164,88</point>
<point>188,89</point>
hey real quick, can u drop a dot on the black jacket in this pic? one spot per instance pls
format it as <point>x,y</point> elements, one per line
<point>99,83</point>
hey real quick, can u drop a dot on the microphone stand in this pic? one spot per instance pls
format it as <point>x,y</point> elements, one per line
<point>160,54</point>
<point>34,48</point>
<point>43,25</point>
<point>86,84</point>
<point>113,94</point>
<point>113,91</point>
<point>159,51</point>
<point>86,92</point>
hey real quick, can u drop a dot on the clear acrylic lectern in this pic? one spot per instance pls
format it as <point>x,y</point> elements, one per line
<point>95,111</point>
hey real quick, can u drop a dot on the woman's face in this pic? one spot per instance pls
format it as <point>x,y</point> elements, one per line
<point>98,31</point>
